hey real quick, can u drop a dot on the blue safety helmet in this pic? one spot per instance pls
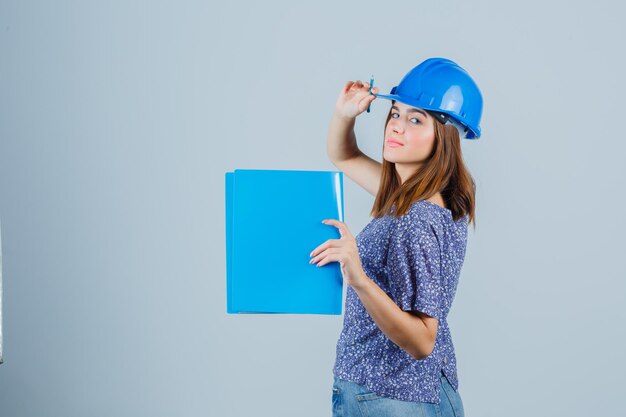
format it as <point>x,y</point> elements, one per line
<point>446,90</point>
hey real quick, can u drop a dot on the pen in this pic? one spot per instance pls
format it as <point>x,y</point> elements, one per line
<point>371,86</point>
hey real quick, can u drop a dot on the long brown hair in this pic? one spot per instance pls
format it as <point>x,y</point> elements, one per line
<point>444,171</point>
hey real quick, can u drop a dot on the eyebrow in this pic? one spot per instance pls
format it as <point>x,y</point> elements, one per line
<point>411,110</point>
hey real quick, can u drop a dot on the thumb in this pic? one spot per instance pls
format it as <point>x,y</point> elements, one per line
<point>365,101</point>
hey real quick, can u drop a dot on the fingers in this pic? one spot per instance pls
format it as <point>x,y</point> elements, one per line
<point>351,85</point>
<point>356,85</point>
<point>365,101</point>
<point>330,252</point>
<point>341,226</point>
<point>329,243</point>
<point>349,102</point>
<point>330,258</point>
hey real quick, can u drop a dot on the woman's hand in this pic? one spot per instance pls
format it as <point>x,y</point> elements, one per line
<point>342,250</point>
<point>354,99</point>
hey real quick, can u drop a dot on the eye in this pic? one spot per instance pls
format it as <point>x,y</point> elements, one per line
<point>393,116</point>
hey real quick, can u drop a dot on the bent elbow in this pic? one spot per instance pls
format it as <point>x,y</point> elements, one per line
<point>420,352</point>
<point>420,356</point>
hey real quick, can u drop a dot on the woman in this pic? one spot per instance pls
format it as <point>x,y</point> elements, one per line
<point>395,355</point>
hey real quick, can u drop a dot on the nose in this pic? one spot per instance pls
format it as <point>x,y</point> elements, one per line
<point>396,126</point>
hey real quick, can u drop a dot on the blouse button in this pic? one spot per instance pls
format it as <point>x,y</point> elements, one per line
<point>445,360</point>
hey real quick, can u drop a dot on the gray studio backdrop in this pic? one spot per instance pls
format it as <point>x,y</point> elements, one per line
<point>119,119</point>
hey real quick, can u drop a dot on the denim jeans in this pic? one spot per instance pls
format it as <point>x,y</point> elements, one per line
<point>354,400</point>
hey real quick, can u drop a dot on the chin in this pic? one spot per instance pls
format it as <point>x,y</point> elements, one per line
<point>391,159</point>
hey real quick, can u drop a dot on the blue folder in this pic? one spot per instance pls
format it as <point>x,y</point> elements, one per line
<point>273,222</point>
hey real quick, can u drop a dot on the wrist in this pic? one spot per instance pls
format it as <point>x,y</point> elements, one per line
<point>343,118</point>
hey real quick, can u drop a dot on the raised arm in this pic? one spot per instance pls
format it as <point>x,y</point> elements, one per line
<point>342,148</point>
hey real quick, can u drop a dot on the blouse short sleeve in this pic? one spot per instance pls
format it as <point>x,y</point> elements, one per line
<point>414,267</point>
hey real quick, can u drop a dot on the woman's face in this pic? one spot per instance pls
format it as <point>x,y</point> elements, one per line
<point>413,129</point>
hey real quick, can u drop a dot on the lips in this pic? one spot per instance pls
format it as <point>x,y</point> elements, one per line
<point>395,142</point>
